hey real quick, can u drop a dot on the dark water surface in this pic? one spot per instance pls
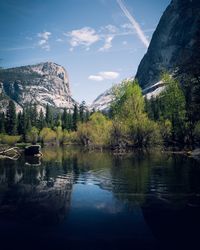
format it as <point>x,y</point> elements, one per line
<point>73,199</point>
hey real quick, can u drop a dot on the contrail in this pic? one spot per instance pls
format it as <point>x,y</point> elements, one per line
<point>135,24</point>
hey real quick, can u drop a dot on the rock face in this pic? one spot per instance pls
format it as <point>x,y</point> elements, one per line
<point>171,46</point>
<point>171,42</point>
<point>44,83</point>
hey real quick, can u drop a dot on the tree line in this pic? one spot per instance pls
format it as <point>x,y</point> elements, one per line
<point>133,120</point>
<point>30,122</point>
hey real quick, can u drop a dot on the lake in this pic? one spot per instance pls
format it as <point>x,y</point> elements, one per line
<point>75,199</point>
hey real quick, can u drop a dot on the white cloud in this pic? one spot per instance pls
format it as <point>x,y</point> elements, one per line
<point>135,24</point>
<point>109,29</point>
<point>95,78</point>
<point>43,42</point>
<point>107,44</point>
<point>44,35</point>
<point>88,36</point>
<point>85,36</point>
<point>109,75</point>
<point>104,75</point>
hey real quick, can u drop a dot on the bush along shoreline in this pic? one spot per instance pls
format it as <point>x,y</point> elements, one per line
<point>132,122</point>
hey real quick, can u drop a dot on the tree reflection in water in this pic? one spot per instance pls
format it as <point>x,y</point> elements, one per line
<point>139,198</point>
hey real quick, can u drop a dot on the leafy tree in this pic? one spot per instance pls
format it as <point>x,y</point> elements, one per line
<point>47,135</point>
<point>173,101</point>
<point>70,137</point>
<point>128,101</point>
<point>96,132</point>
<point>131,126</point>
<point>59,134</point>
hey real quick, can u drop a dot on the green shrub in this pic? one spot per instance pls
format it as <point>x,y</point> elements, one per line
<point>144,132</point>
<point>136,133</point>
<point>70,137</point>
<point>9,139</point>
<point>32,135</point>
<point>96,132</point>
<point>47,135</point>
<point>166,130</point>
<point>59,134</point>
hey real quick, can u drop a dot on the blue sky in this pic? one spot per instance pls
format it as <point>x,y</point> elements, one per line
<point>99,42</point>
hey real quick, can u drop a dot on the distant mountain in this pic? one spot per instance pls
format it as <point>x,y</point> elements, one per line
<point>103,101</point>
<point>43,83</point>
<point>172,42</point>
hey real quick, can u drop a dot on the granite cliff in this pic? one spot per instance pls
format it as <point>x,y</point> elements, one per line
<point>172,42</point>
<point>43,83</point>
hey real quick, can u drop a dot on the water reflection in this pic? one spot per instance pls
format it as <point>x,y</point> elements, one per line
<point>82,197</point>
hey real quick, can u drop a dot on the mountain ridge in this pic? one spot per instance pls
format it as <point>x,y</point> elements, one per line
<point>43,83</point>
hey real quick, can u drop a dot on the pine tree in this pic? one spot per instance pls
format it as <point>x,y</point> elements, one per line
<point>75,117</point>
<point>49,116</point>
<point>11,119</point>
<point>41,120</point>
<point>64,119</point>
<point>82,109</point>
<point>58,121</point>
<point>2,122</point>
<point>69,121</point>
<point>87,115</point>
<point>20,123</point>
<point>34,115</point>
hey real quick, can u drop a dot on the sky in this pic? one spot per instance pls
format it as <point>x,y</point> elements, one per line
<point>99,42</point>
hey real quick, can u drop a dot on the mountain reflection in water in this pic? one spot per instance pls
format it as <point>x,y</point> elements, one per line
<point>76,199</point>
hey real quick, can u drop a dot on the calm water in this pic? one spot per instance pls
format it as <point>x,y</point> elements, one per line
<point>73,199</point>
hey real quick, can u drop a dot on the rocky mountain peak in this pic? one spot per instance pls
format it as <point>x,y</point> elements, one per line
<point>43,83</point>
<point>50,68</point>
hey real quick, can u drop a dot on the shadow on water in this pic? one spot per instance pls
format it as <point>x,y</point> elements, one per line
<point>75,199</point>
